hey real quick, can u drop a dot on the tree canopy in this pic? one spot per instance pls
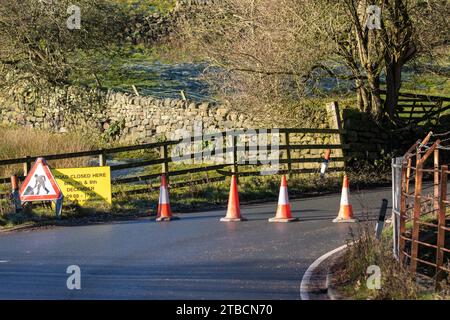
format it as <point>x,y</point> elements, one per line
<point>38,45</point>
<point>276,49</point>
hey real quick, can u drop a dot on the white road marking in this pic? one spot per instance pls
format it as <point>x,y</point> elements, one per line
<point>4,261</point>
<point>304,295</point>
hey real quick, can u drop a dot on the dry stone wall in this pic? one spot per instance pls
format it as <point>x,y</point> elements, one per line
<point>147,118</point>
<point>124,116</point>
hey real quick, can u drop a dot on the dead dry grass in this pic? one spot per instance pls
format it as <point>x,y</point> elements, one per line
<point>397,282</point>
<point>22,142</point>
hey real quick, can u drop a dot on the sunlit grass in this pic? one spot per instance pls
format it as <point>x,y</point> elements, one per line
<point>22,142</point>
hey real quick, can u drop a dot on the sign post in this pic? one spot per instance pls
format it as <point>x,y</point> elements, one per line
<point>381,218</point>
<point>58,206</point>
<point>15,195</point>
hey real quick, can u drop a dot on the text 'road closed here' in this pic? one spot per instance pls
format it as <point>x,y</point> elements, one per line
<point>85,186</point>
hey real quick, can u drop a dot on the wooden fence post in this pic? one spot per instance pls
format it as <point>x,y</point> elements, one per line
<point>288,153</point>
<point>235,169</point>
<point>441,225</point>
<point>27,166</point>
<point>334,113</point>
<point>165,164</point>
<point>102,159</point>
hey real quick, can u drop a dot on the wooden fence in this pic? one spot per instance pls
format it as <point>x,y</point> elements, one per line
<point>416,108</point>
<point>287,149</point>
<point>426,210</point>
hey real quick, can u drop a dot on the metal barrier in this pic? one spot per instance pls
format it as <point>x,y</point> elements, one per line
<point>421,208</point>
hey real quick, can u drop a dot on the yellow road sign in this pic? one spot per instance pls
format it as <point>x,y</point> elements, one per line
<point>86,186</point>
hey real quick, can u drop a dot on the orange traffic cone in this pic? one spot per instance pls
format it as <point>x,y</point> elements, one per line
<point>346,210</point>
<point>164,210</point>
<point>284,208</point>
<point>233,211</point>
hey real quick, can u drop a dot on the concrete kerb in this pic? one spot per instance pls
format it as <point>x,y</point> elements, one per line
<point>306,280</point>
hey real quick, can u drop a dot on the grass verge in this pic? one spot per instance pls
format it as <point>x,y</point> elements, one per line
<point>352,277</point>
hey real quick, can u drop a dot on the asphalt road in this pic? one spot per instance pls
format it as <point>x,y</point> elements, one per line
<point>196,257</point>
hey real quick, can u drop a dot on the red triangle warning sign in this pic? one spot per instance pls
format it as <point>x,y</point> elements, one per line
<point>39,185</point>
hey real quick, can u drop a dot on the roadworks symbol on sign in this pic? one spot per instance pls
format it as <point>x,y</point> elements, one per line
<point>40,185</point>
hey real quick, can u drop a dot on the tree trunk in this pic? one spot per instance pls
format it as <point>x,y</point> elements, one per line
<point>375,96</point>
<point>367,106</point>
<point>362,96</point>
<point>393,85</point>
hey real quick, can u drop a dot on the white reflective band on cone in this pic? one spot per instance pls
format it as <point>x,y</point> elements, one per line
<point>323,168</point>
<point>163,195</point>
<point>283,197</point>
<point>344,197</point>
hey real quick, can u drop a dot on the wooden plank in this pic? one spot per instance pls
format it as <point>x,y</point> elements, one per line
<point>409,109</point>
<point>294,160</point>
<point>136,179</point>
<point>409,99</point>
<point>312,130</point>
<point>319,146</point>
<point>279,172</point>
<point>415,114</point>
<point>172,173</point>
<point>313,160</point>
<point>172,186</point>
<point>218,152</point>
<point>247,148</point>
<point>88,153</point>
<point>201,169</point>
<point>409,104</point>
<point>197,182</point>
<point>136,164</point>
